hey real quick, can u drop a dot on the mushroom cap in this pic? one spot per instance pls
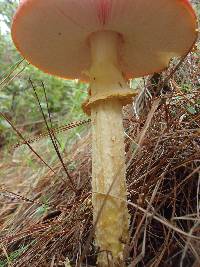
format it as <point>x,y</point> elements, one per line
<point>53,35</point>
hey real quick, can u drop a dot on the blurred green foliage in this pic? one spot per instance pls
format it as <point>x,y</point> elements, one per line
<point>17,99</point>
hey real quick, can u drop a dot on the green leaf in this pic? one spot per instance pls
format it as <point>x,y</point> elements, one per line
<point>191,110</point>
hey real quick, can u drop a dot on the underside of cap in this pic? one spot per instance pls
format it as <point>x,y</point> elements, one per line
<point>53,35</point>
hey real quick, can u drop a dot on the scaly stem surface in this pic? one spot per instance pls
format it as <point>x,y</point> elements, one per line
<point>108,151</point>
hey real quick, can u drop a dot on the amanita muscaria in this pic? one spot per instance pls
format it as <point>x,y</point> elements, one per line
<point>105,42</point>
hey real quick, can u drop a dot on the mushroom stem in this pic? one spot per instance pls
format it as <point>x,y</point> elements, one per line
<point>108,150</point>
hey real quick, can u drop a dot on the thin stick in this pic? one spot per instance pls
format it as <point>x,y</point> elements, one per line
<point>51,134</point>
<point>55,130</point>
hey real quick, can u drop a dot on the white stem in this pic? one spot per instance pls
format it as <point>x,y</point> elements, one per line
<point>108,151</point>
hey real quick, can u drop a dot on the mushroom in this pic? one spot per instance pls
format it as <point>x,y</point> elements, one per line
<point>105,42</point>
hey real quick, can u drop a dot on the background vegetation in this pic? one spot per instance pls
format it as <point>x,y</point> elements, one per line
<point>17,99</point>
